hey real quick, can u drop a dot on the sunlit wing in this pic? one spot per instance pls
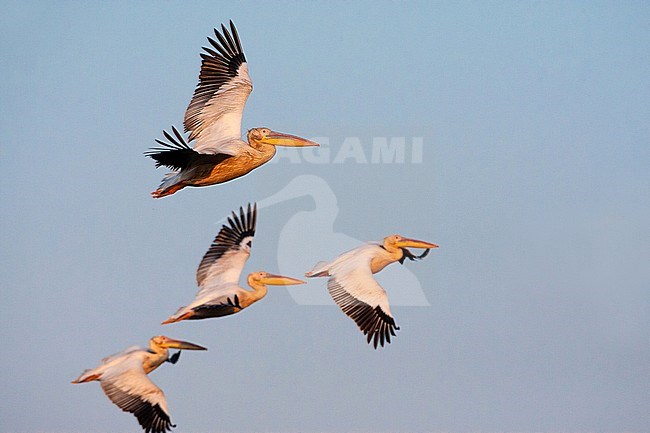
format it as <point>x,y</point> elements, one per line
<point>121,354</point>
<point>361,298</point>
<point>224,261</point>
<point>127,385</point>
<point>213,117</point>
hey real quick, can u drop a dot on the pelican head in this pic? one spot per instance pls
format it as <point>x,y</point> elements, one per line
<point>264,278</point>
<point>394,242</point>
<point>266,136</point>
<point>163,342</point>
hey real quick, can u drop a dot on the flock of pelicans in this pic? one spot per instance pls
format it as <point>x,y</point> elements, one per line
<point>213,120</point>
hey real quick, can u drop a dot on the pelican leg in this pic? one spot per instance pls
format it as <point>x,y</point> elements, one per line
<point>164,192</point>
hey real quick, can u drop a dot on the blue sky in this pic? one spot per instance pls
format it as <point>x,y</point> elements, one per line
<point>534,180</point>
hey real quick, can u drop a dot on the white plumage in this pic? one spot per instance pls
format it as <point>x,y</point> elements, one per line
<point>218,274</point>
<point>354,289</point>
<point>213,120</point>
<point>220,269</point>
<point>123,378</point>
<point>216,126</point>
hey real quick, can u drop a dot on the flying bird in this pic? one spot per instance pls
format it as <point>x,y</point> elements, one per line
<point>317,221</point>
<point>213,120</point>
<point>356,292</point>
<point>123,377</point>
<point>219,272</point>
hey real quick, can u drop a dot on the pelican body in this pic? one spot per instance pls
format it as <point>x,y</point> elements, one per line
<point>123,377</point>
<point>213,119</point>
<point>357,293</point>
<point>220,269</point>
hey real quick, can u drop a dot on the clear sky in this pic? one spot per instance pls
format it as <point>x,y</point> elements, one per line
<point>533,177</point>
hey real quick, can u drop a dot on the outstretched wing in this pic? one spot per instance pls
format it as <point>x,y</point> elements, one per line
<point>224,261</point>
<point>214,114</point>
<point>127,385</point>
<point>361,298</point>
<point>178,155</point>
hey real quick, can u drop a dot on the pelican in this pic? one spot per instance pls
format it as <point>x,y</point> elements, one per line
<point>219,271</point>
<point>315,224</point>
<point>213,120</point>
<point>123,377</point>
<point>356,292</point>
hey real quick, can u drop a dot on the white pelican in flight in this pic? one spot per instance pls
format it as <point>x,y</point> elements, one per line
<point>354,289</point>
<point>213,120</point>
<point>123,377</point>
<point>219,272</point>
<point>313,225</point>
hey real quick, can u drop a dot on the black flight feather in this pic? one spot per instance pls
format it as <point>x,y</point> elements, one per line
<point>406,254</point>
<point>178,155</point>
<point>373,322</point>
<point>229,238</point>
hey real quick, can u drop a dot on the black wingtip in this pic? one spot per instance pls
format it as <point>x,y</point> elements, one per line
<point>174,358</point>
<point>174,153</point>
<point>407,254</point>
<point>254,221</point>
<point>247,218</point>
